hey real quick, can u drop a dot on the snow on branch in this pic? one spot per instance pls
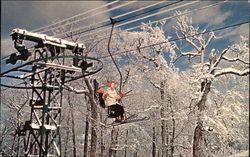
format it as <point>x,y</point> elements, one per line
<point>144,56</point>
<point>193,44</point>
<point>69,88</point>
<point>232,71</point>
<point>221,57</point>
<point>209,39</point>
<point>155,85</point>
<point>190,54</point>
<point>234,59</point>
<point>187,39</point>
<point>181,146</point>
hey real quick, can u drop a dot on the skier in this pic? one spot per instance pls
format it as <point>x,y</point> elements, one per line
<point>110,96</point>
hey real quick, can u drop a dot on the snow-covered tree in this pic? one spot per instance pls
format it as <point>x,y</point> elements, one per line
<point>210,67</point>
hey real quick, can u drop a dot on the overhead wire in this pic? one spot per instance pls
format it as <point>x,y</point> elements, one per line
<point>139,9</point>
<point>121,15</point>
<point>167,18</point>
<point>184,13</point>
<point>103,25</point>
<point>176,39</point>
<point>111,9</point>
<point>85,18</point>
<point>163,19</point>
<point>67,19</point>
<point>118,16</point>
<point>81,32</point>
<point>160,12</point>
<point>150,10</point>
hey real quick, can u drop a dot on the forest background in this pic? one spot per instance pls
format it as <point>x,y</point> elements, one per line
<point>195,90</point>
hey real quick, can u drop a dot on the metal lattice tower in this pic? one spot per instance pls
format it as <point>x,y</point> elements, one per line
<point>48,71</point>
<point>46,102</point>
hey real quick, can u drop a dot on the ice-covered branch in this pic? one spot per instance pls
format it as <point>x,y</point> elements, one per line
<point>190,54</point>
<point>232,71</point>
<point>75,90</point>
<point>126,78</point>
<point>144,56</point>
<point>220,57</point>
<point>155,85</point>
<point>192,43</point>
<point>234,60</point>
<point>209,39</point>
<point>151,107</point>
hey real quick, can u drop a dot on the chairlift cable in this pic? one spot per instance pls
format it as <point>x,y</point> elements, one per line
<point>167,18</point>
<point>176,39</point>
<point>102,25</point>
<point>84,31</point>
<point>150,11</point>
<point>121,15</point>
<point>73,22</point>
<point>59,22</point>
<point>129,22</point>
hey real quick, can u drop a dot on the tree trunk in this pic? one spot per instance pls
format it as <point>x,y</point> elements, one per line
<point>13,144</point>
<point>198,138</point>
<point>172,139</point>
<point>153,143</point>
<point>102,145</point>
<point>173,133</point>
<point>126,143</point>
<point>86,137</point>
<point>198,142</point>
<point>72,125</point>
<point>136,154</point>
<point>93,142</point>
<point>18,145</point>
<point>73,131</point>
<point>114,141</point>
<point>163,122</point>
<point>67,137</point>
<point>163,134</point>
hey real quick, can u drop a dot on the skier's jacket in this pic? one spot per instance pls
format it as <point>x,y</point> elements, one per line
<point>111,97</point>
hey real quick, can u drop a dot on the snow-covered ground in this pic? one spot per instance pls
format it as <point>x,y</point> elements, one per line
<point>241,154</point>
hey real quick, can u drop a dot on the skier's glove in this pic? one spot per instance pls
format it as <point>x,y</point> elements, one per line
<point>122,94</point>
<point>100,91</point>
<point>106,95</point>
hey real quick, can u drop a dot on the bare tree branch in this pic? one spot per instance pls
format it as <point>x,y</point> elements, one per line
<point>190,54</point>
<point>155,85</point>
<point>221,57</point>
<point>209,39</point>
<point>193,44</point>
<point>149,59</point>
<point>126,78</point>
<point>234,59</point>
<point>69,88</point>
<point>232,71</point>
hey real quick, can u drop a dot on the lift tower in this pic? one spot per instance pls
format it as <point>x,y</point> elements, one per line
<point>45,72</point>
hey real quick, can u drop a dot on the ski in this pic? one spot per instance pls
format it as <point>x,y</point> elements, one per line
<point>127,121</point>
<point>131,116</point>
